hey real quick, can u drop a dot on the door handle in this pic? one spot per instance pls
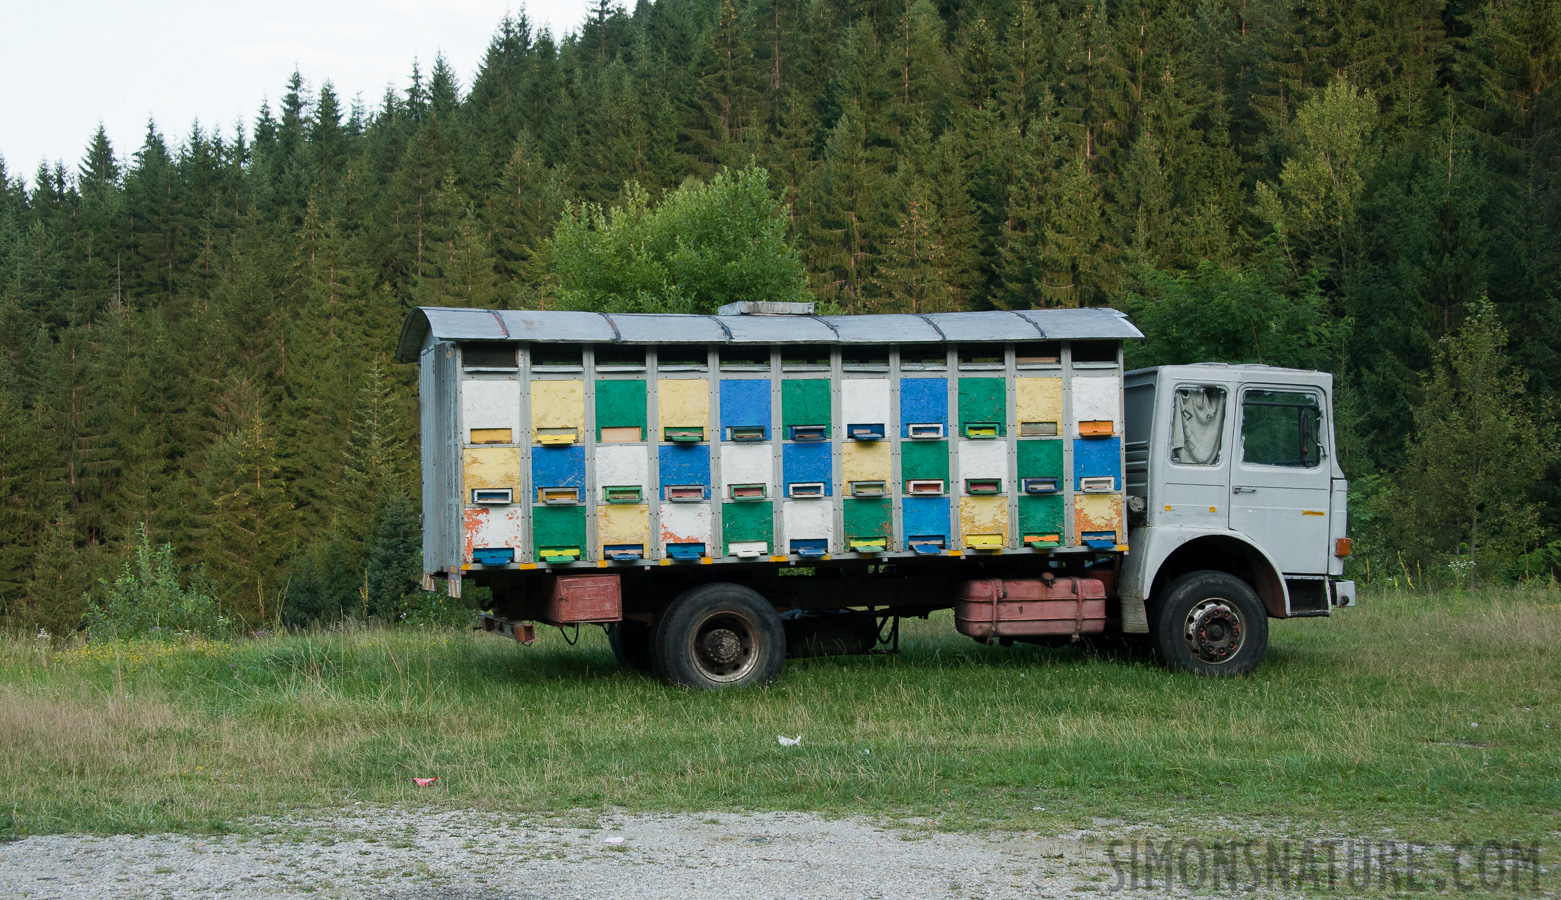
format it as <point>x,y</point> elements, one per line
<point>1243,489</point>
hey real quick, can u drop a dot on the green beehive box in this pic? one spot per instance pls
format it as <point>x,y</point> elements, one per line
<point>752,520</point>
<point>922,460</point>
<point>868,518</point>
<point>620,404</point>
<point>983,401</point>
<point>1040,459</point>
<point>1041,515</point>
<point>558,526</point>
<point>806,401</point>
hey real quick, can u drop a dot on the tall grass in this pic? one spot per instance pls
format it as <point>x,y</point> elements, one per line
<point>1434,716</point>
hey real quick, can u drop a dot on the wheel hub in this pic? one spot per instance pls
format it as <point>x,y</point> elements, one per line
<point>722,646</point>
<point>725,647</point>
<point>1214,631</point>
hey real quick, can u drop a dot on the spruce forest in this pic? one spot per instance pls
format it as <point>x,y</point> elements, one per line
<point>196,333</point>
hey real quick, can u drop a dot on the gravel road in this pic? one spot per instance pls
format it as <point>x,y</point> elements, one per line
<point>411,855</point>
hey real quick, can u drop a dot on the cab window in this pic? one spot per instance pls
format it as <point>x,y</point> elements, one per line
<point>1281,428</point>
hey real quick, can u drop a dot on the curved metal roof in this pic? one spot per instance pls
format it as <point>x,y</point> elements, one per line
<point>567,326</point>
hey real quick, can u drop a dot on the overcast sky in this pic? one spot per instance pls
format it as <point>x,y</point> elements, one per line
<point>67,66</point>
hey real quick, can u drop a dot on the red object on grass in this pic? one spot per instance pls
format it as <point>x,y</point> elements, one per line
<point>425,782</point>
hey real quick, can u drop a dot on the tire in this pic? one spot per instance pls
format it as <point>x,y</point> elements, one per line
<point>630,643</point>
<point>1210,623</point>
<point>719,637</point>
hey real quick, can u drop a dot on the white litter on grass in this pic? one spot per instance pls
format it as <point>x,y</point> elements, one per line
<point>788,742</point>
<point>613,840</point>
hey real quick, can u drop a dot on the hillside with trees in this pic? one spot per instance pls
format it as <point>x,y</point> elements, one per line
<point>196,333</point>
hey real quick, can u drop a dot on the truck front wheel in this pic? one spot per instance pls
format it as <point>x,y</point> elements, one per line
<point>719,636</point>
<point>1211,623</point>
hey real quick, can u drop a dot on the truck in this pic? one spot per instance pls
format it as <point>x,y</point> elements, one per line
<point>720,492</point>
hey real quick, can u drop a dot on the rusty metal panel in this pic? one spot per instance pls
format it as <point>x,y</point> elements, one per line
<point>585,598</point>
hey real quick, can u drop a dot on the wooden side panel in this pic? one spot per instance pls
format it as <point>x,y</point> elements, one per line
<point>686,523</point>
<point>1041,515</point>
<point>983,401</point>
<point>559,526</point>
<point>489,404</point>
<point>923,401</point>
<point>1097,398</point>
<point>865,401</point>
<point>868,518</point>
<point>620,465</point>
<point>683,402</point>
<point>558,404</point>
<point>491,467</point>
<point>490,527</point>
<point>748,464</point>
<point>805,520</point>
<point>623,524</point>
<point>1040,459</point>
<point>1039,400</point>
<point>747,522</point>
<point>805,401</point>
<point>620,404</point>
<point>1097,512</point>
<point>925,459</point>
<point>866,461</point>
<point>984,459</point>
<point>983,515</point>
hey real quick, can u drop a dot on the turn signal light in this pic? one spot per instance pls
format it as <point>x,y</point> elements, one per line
<point>1341,547</point>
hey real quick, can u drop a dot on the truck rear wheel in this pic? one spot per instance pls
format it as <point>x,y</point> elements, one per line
<point>1210,623</point>
<point>630,643</point>
<point>719,636</point>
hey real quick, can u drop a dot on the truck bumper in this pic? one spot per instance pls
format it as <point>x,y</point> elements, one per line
<point>1343,593</point>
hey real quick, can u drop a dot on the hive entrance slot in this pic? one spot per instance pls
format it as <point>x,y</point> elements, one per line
<point>685,493</point>
<point>982,487</point>
<point>623,493</point>
<point>1042,485</point>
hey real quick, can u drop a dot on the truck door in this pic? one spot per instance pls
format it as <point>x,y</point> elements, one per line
<point>1279,483</point>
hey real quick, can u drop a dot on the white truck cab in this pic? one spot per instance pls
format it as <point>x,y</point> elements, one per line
<point>1231,470</point>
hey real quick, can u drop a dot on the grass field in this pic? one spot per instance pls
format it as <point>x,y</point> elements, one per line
<point>1436,717</point>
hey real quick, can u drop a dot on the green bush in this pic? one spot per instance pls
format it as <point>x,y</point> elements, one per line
<point>149,598</point>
